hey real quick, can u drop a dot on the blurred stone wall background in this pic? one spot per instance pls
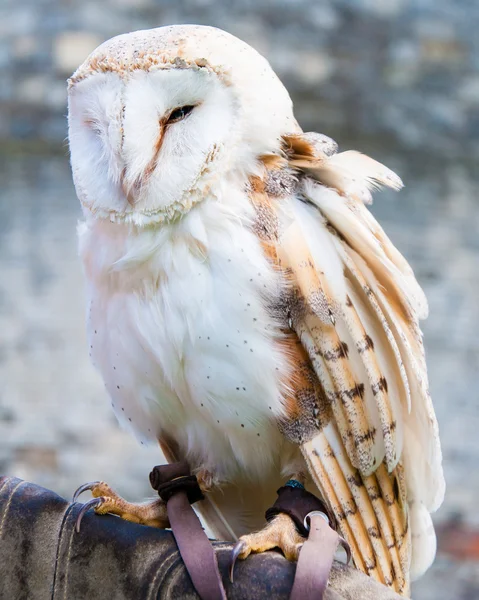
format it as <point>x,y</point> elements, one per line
<point>401,68</point>
<point>398,79</point>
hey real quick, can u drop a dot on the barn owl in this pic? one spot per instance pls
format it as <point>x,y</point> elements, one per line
<point>245,309</point>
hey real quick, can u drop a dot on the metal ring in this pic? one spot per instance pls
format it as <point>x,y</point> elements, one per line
<point>315,513</point>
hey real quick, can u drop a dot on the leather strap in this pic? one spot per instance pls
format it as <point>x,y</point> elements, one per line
<point>195,548</point>
<point>165,473</point>
<point>174,484</point>
<point>296,502</point>
<point>315,561</point>
<point>310,516</point>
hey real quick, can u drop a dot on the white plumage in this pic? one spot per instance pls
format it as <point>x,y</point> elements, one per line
<point>178,327</point>
<point>245,308</point>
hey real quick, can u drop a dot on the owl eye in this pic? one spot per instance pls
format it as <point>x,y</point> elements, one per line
<point>179,114</point>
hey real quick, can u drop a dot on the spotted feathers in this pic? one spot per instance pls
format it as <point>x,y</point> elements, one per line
<point>353,303</point>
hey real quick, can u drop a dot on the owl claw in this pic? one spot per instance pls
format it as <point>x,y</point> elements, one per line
<point>237,550</point>
<point>107,501</point>
<point>280,533</point>
<point>344,544</point>
<point>95,503</point>
<point>84,488</point>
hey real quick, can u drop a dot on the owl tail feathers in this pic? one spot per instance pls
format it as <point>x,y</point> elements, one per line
<point>423,540</point>
<point>370,515</point>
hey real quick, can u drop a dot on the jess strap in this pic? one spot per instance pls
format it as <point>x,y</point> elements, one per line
<point>315,522</point>
<point>179,489</point>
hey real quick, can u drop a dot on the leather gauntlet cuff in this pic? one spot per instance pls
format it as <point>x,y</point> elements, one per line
<point>167,480</point>
<point>298,503</point>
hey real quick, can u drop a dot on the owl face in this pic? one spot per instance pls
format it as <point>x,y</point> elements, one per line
<point>142,143</point>
<point>156,117</point>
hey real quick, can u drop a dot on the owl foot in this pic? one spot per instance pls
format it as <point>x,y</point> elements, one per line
<point>280,533</point>
<point>105,500</point>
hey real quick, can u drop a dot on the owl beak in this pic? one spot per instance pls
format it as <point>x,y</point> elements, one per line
<point>129,188</point>
<point>130,197</point>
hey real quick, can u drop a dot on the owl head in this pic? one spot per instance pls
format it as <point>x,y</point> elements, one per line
<point>156,117</point>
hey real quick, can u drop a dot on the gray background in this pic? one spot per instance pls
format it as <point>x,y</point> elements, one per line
<point>397,79</point>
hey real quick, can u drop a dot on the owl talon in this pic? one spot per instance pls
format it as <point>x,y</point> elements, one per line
<point>238,549</point>
<point>94,502</point>
<point>106,501</point>
<point>280,533</point>
<point>347,548</point>
<point>84,488</point>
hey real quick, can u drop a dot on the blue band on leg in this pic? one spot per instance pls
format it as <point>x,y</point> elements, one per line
<point>294,484</point>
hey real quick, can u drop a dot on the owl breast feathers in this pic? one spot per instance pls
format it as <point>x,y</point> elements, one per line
<point>245,308</point>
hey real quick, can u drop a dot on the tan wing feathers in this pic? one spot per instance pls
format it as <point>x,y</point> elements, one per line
<point>365,517</point>
<point>384,374</point>
<point>353,175</point>
<point>394,262</point>
<point>330,392</point>
<point>354,304</point>
<point>379,383</point>
<point>394,494</point>
<point>383,511</point>
<point>347,171</point>
<point>398,518</point>
<point>387,246</point>
<point>399,572</point>
<point>310,146</point>
<point>361,513</point>
<point>405,341</point>
<point>364,168</point>
<point>410,346</point>
<point>371,523</point>
<point>326,486</point>
<point>379,274</point>
<point>371,547</point>
<point>316,319</point>
<point>357,503</point>
<point>361,286</point>
<point>359,239</point>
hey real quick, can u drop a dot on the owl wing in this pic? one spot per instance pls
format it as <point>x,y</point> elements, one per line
<point>353,306</point>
